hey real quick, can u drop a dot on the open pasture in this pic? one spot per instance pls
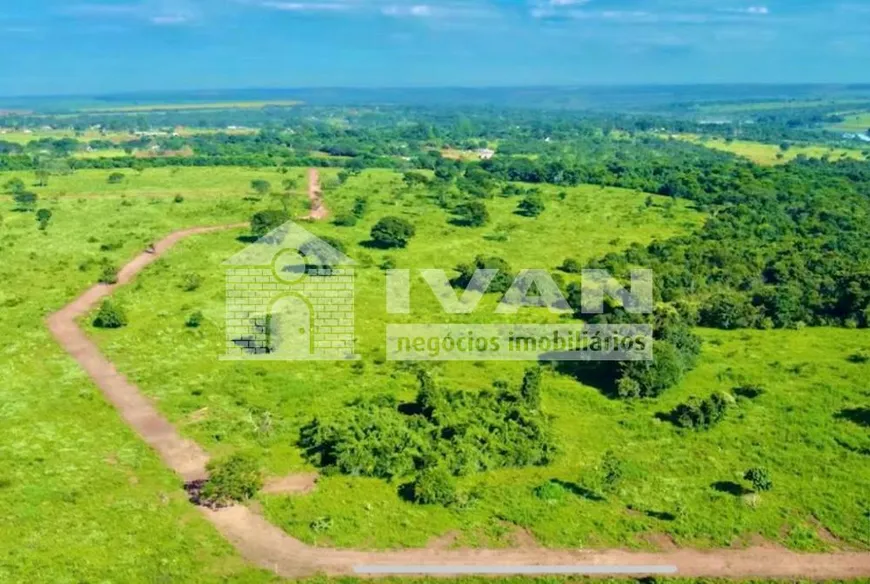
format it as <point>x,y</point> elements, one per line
<point>680,487</point>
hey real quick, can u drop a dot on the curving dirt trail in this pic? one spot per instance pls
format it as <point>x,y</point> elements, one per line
<point>267,546</point>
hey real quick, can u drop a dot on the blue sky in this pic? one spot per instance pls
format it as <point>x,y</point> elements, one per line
<point>92,46</point>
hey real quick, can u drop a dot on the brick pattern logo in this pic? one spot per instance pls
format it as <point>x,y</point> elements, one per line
<point>290,297</point>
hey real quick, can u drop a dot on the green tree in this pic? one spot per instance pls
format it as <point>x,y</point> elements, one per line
<point>15,186</point>
<point>235,478</point>
<point>115,178</point>
<point>392,232</point>
<point>25,201</point>
<point>261,186</point>
<point>110,316</point>
<point>43,216</point>
<point>472,214</point>
<point>263,222</point>
<point>195,319</point>
<point>434,486</point>
<point>759,478</point>
<point>531,206</point>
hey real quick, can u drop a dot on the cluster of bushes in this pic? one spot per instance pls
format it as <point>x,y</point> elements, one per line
<point>391,232</point>
<point>701,414</point>
<point>500,284</point>
<point>441,435</point>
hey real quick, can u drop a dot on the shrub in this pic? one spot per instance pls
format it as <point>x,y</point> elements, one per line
<point>500,284</point>
<point>531,206</point>
<point>115,178</point>
<point>472,214</point>
<point>360,207</point>
<point>392,232</point>
<point>110,316</point>
<point>265,221</point>
<point>571,266</point>
<point>551,491</point>
<point>194,320</point>
<point>15,186</point>
<point>611,471</point>
<point>700,414</point>
<point>759,478</point>
<point>260,186</point>
<point>178,199</point>
<point>191,282</point>
<point>25,201</point>
<point>108,273</point>
<point>345,220</point>
<point>43,216</point>
<point>434,486</point>
<point>236,478</point>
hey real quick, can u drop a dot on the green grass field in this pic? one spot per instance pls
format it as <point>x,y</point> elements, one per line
<point>83,499</point>
<point>792,428</point>
<point>769,154</point>
<point>854,122</point>
<point>76,483</point>
<point>189,182</point>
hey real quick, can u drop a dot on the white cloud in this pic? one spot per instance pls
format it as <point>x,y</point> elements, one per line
<point>758,10</point>
<point>308,6</point>
<point>169,20</point>
<point>418,10</point>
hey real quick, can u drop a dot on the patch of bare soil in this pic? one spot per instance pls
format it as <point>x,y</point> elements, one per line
<point>296,484</point>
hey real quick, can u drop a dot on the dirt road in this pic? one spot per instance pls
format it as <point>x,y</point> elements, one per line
<point>315,196</point>
<point>267,546</point>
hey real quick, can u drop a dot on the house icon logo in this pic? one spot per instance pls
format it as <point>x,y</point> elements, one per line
<point>290,297</point>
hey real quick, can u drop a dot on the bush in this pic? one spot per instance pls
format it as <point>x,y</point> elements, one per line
<point>195,319</point>
<point>236,478</point>
<point>571,266</point>
<point>460,432</point>
<point>108,273</point>
<point>115,178</point>
<point>392,232</point>
<point>265,221</point>
<point>531,206</point>
<point>110,316</point>
<point>500,284</point>
<point>551,491</point>
<point>345,220</point>
<point>15,186</point>
<point>191,282</point>
<point>611,471</point>
<point>260,186</point>
<point>472,214</point>
<point>25,201</point>
<point>43,216</point>
<point>434,486</point>
<point>759,478</point>
<point>700,414</point>
<point>178,199</point>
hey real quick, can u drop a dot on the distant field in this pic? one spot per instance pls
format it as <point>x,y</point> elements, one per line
<point>23,137</point>
<point>769,154</point>
<point>191,106</point>
<point>854,122</point>
<point>774,105</point>
<point>159,182</point>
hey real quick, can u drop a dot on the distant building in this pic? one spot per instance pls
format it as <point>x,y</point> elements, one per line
<point>485,153</point>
